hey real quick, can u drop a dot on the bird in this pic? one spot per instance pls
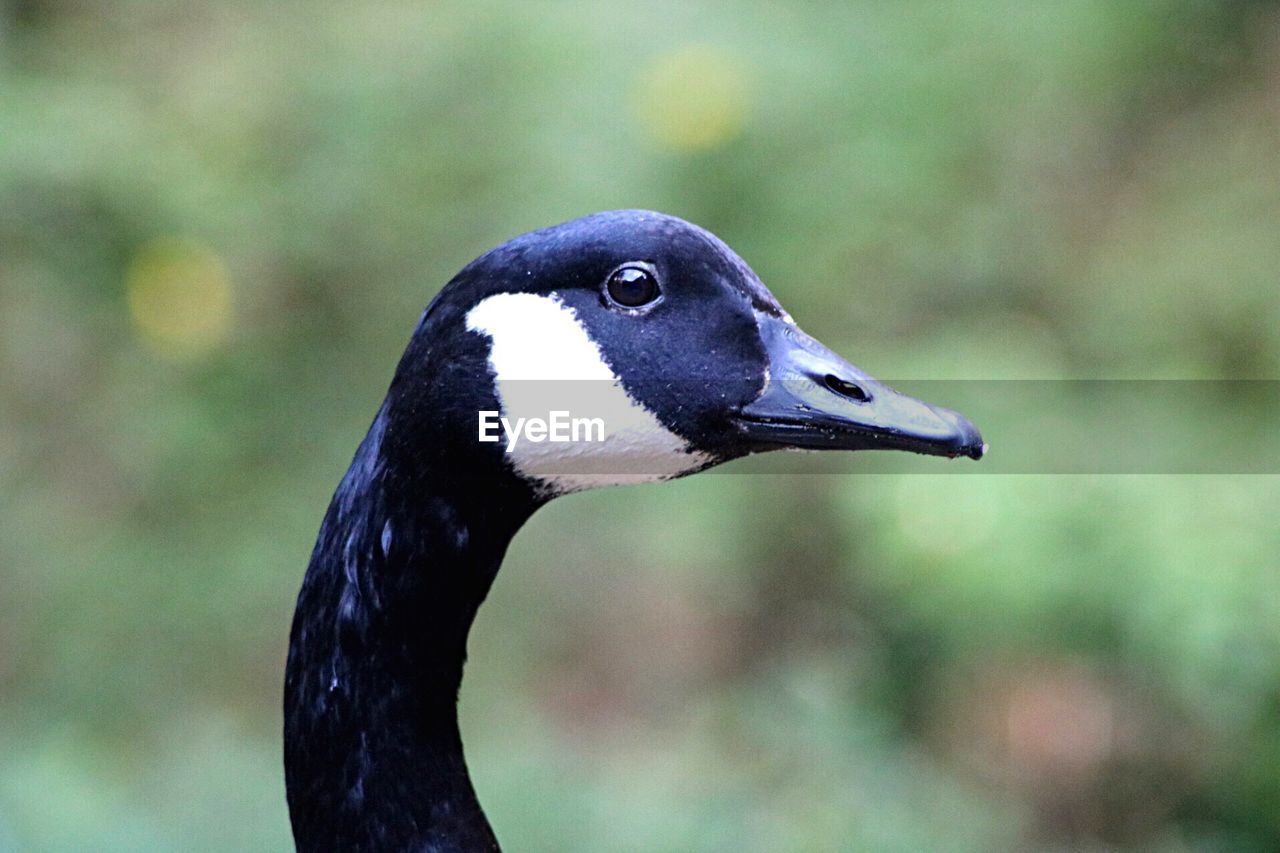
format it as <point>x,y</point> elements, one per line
<point>641,321</point>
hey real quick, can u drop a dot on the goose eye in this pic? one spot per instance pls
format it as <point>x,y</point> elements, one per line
<point>632,287</point>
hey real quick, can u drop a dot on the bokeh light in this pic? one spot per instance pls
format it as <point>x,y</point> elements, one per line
<point>180,297</point>
<point>693,98</point>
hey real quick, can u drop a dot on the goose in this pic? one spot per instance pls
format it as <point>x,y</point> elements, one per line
<point>673,343</point>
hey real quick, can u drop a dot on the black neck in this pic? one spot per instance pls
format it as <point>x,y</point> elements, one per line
<point>406,554</point>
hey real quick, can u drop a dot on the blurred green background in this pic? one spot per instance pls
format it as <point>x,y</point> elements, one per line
<point>219,223</point>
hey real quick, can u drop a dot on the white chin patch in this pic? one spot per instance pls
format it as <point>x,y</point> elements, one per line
<point>549,371</point>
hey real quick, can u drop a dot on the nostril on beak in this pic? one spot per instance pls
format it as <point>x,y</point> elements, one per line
<point>845,388</point>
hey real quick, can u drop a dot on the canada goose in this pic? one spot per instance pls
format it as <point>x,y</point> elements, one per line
<point>698,364</point>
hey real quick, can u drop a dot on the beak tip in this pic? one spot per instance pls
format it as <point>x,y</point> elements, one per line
<point>967,440</point>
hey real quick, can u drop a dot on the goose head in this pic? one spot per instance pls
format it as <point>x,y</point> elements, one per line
<point>630,346</point>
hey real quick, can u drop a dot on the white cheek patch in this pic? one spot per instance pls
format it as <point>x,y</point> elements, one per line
<point>544,363</point>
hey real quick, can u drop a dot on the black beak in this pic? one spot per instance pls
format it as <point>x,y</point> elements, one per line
<point>815,399</point>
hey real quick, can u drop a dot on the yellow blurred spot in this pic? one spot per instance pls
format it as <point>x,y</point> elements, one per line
<point>180,297</point>
<point>693,98</point>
